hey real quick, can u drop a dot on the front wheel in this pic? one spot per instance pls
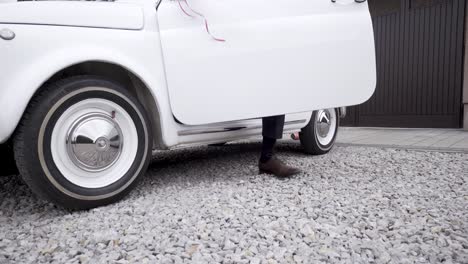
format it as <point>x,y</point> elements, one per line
<point>83,142</point>
<point>319,136</point>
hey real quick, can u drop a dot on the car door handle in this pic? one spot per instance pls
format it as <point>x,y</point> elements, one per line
<point>7,34</point>
<point>357,1</point>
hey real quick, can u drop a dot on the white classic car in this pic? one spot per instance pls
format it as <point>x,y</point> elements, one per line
<point>89,89</point>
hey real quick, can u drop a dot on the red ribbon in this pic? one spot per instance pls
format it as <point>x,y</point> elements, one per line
<point>200,15</point>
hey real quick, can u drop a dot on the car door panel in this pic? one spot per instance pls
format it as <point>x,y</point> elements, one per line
<point>279,57</point>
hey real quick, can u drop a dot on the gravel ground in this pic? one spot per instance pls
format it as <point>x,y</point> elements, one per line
<point>209,205</point>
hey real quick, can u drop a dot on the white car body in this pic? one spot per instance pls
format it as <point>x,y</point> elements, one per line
<point>301,55</point>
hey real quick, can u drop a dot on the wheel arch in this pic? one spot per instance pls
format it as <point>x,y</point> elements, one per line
<point>117,73</point>
<point>129,80</point>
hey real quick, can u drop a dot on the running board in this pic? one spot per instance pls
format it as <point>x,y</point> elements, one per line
<point>198,131</point>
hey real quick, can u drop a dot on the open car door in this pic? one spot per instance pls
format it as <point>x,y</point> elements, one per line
<point>279,57</point>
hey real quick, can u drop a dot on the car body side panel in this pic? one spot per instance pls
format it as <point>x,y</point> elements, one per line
<point>74,13</point>
<point>38,52</point>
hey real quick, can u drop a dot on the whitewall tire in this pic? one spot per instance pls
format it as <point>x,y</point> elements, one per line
<point>319,136</point>
<point>83,142</point>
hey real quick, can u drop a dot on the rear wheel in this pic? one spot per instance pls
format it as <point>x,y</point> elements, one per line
<point>83,142</point>
<point>319,136</point>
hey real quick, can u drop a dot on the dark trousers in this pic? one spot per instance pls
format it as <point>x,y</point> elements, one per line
<point>273,126</point>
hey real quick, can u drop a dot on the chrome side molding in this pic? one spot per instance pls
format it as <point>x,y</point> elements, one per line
<point>197,130</point>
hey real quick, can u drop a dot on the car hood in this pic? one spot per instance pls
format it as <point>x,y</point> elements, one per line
<point>114,15</point>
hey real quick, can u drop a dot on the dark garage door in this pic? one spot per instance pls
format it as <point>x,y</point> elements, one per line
<point>419,47</point>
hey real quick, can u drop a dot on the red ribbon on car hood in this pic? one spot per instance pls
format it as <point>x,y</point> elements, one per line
<point>200,15</point>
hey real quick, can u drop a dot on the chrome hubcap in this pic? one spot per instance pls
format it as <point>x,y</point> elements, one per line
<point>326,122</point>
<point>94,142</point>
<point>323,123</point>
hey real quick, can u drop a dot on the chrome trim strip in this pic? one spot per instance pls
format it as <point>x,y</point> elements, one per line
<point>198,131</point>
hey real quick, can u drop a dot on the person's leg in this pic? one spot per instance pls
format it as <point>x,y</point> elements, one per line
<point>273,127</point>
<point>272,130</point>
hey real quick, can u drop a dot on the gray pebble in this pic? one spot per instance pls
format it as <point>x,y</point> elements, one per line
<point>209,205</point>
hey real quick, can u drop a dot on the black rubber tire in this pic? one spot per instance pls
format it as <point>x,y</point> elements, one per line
<point>309,140</point>
<point>7,159</point>
<point>45,108</point>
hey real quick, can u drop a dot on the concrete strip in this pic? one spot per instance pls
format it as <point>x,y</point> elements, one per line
<point>446,140</point>
<point>461,144</point>
<point>358,137</point>
<point>451,140</point>
<point>433,139</point>
<point>396,137</point>
<point>429,149</point>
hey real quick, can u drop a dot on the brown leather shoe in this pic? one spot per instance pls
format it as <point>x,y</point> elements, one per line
<point>276,167</point>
